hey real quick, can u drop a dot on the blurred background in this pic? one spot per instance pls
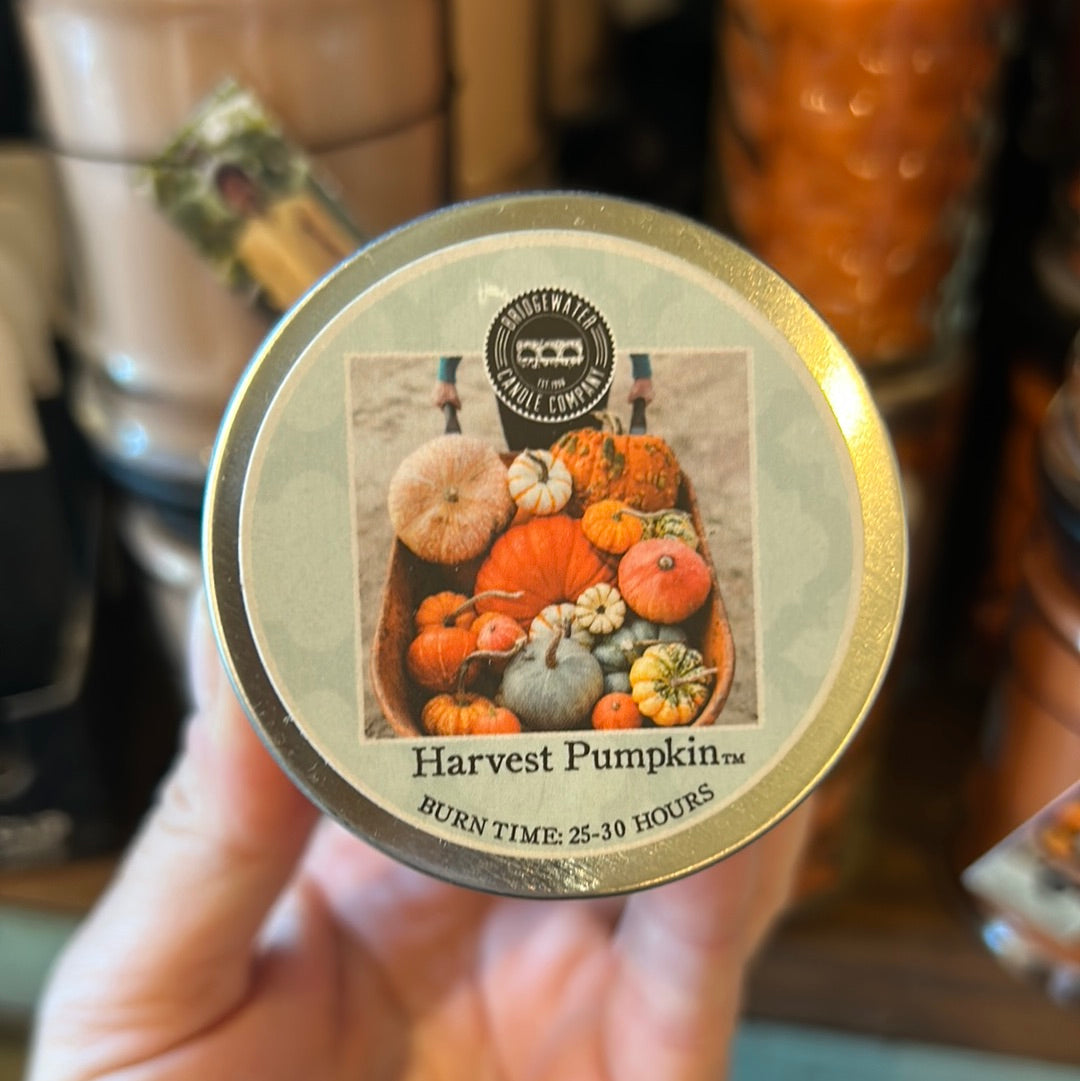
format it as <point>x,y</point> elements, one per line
<point>911,166</point>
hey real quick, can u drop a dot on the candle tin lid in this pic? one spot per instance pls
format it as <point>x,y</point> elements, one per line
<point>752,622</point>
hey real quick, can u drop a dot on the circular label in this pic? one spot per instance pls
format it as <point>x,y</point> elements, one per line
<point>530,648</point>
<point>550,356</point>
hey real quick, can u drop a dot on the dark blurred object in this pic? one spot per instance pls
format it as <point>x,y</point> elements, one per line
<point>1029,313</point>
<point>53,803</point>
<point>646,139</point>
<point>35,559</point>
<point>15,119</point>
<point>923,406</point>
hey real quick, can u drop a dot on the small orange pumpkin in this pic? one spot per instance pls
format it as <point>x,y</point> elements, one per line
<point>436,655</point>
<point>450,609</point>
<point>460,713</point>
<point>641,470</point>
<point>500,721</point>
<point>664,580</point>
<point>445,609</point>
<point>456,714</point>
<point>612,525</point>
<point>616,711</point>
<point>497,633</point>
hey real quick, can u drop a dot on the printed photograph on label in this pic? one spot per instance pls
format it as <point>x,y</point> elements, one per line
<point>519,569</point>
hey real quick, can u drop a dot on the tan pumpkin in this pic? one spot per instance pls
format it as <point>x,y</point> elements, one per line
<point>449,498</point>
<point>664,580</point>
<point>640,470</point>
<point>670,683</point>
<point>612,525</point>
<point>548,559</point>
<point>539,484</point>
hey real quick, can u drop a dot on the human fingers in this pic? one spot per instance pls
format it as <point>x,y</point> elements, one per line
<point>781,850</point>
<point>419,930</point>
<point>168,950</point>
<point>674,1002</point>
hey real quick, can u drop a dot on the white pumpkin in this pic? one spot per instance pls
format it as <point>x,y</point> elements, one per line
<point>554,619</point>
<point>600,609</point>
<point>539,482</point>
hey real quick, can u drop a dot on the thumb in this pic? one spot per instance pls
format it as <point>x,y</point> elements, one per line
<point>168,950</point>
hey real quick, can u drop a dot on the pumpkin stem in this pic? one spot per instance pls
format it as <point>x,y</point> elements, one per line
<point>486,595</point>
<point>665,562</point>
<point>553,648</point>
<point>609,422</point>
<point>485,655</point>
<point>640,644</point>
<point>540,464</point>
<point>697,676</point>
<point>644,515</point>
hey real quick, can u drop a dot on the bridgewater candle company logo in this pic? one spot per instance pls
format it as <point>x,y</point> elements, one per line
<point>550,356</point>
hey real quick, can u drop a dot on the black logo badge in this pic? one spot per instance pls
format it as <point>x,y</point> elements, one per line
<point>550,356</point>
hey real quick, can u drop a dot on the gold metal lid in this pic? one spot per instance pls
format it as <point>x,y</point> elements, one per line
<point>758,613</point>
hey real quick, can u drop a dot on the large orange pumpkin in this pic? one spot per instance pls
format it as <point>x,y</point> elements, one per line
<point>641,470</point>
<point>548,559</point>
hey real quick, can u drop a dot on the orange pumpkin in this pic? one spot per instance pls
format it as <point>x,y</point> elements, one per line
<point>496,631</point>
<point>449,609</point>
<point>612,525</point>
<point>445,609</point>
<point>460,714</point>
<point>436,655</point>
<point>641,470</point>
<point>664,580</point>
<point>616,711</point>
<point>500,721</point>
<point>549,560</point>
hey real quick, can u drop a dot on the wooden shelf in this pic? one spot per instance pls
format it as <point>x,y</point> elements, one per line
<point>69,889</point>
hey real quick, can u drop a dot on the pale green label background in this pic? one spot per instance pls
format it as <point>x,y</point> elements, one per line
<point>304,562</point>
